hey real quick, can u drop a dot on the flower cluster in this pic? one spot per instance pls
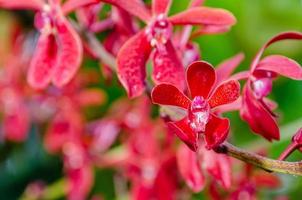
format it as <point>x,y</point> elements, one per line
<point>171,128</point>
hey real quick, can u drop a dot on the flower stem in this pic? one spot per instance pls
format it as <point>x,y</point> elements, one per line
<point>100,51</point>
<point>292,147</point>
<point>293,168</point>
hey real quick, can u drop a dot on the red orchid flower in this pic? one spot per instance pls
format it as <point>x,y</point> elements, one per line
<point>58,53</point>
<point>201,78</point>
<point>257,110</point>
<point>79,171</point>
<point>157,35</point>
<point>193,165</point>
<point>251,181</point>
<point>14,97</point>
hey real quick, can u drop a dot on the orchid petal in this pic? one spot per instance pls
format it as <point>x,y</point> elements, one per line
<point>43,61</point>
<point>131,61</point>
<point>201,78</point>
<point>166,94</point>
<point>167,67</point>
<point>71,5</point>
<point>204,16</point>
<point>161,6</point>
<point>226,68</point>
<point>209,30</point>
<point>217,131</point>
<point>70,54</point>
<point>21,4</point>
<point>258,118</point>
<point>184,132</point>
<point>281,65</point>
<point>134,7</point>
<point>190,169</point>
<point>225,93</point>
<point>219,166</point>
<point>279,37</point>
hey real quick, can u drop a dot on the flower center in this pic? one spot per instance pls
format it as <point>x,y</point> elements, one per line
<point>199,114</point>
<point>159,31</point>
<point>262,87</point>
<point>45,20</point>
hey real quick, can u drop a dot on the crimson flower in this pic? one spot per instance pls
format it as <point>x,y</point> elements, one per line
<point>157,35</point>
<point>58,53</point>
<point>201,78</point>
<point>256,109</point>
<point>193,166</point>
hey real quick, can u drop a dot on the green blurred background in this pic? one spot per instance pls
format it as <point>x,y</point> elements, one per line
<point>258,20</point>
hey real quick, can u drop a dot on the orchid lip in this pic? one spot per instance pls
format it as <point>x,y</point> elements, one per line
<point>262,87</point>
<point>159,31</point>
<point>199,114</point>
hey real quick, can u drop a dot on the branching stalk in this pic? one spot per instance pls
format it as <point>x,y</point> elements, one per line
<point>293,168</point>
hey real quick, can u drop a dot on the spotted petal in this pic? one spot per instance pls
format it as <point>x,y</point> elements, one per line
<point>167,67</point>
<point>166,94</point>
<point>225,93</point>
<point>201,77</point>
<point>131,63</point>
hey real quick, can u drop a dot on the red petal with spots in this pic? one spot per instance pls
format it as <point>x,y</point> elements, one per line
<point>71,5</point>
<point>167,67</point>
<point>204,16</point>
<point>217,131</point>
<point>70,54</point>
<point>131,63</point>
<point>190,168</point>
<point>279,37</point>
<point>22,4</point>
<point>160,6</point>
<point>201,77</point>
<point>43,61</point>
<point>281,65</point>
<point>135,7</point>
<point>258,118</point>
<point>226,68</point>
<point>166,94</point>
<point>184,132</point>
<point>225,93</point>
<point>219,166</point>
